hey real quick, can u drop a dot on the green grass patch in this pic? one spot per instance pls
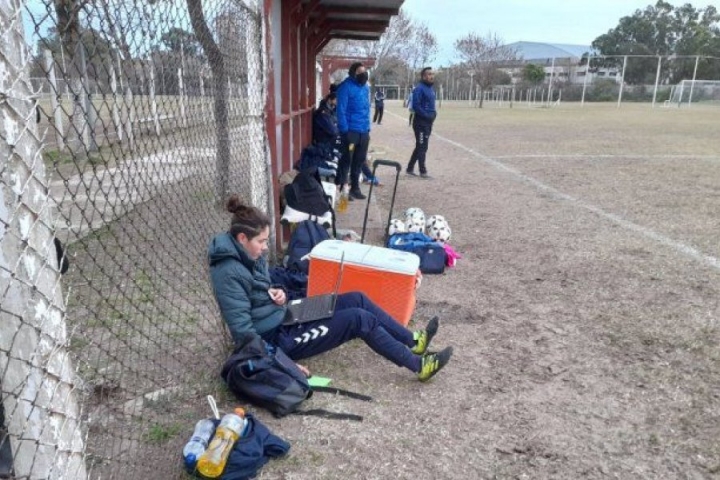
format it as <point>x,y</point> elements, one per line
<point>77,343</point>
<point>145,286</point>
<point>58,157</point>
<point>159,434</point>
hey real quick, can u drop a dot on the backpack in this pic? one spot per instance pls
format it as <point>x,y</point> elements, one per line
<point>265,376</point>
<point>307,234</point>
<point>432,254</point>
<point>306,193</point>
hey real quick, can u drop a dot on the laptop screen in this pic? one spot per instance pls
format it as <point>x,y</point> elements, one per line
<point>340,273</point>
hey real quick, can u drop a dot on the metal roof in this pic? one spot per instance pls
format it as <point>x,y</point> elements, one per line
<point>350,19</point>
<point>543,51</point>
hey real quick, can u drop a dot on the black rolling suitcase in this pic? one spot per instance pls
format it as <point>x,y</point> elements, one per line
<point>398,169</point>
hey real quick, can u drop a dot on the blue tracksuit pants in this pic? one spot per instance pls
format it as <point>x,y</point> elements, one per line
<point>356,316</point>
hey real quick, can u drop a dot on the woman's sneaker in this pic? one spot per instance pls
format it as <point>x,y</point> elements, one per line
<point>433,363</point>
<point>423,337</point>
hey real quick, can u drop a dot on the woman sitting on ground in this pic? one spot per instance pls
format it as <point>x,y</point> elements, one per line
<point>248,302</point>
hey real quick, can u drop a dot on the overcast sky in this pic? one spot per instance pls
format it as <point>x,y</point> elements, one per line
<point>576,22</point>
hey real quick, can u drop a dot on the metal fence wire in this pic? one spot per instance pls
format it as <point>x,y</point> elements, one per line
<point>124,124</point>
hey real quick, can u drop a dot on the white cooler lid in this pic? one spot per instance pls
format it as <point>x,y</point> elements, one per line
<point>386,259</point>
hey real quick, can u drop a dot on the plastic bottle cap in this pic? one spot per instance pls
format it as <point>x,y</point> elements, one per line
<point>239,411</point>
<point>191,461</point>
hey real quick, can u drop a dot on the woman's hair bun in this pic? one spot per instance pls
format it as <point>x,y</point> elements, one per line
<point>234,204</point>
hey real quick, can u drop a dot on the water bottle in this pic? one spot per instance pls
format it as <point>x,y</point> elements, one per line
<point>212,462</point>
<point>198,443</point>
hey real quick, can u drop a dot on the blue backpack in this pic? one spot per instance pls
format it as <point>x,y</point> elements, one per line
<point>265,376</point>
<point>307,234</point>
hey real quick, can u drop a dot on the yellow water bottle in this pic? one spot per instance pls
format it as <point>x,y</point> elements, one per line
<point>212,462</point>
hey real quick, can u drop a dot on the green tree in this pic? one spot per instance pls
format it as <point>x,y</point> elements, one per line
<point>533,74</point>
<point>664,30</point>
<point>176,40</point>
<point>698,34</point>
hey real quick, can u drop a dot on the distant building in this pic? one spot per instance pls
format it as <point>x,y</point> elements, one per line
<point>566,59</point>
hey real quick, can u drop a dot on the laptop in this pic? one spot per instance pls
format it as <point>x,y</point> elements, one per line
<point>317,307</point>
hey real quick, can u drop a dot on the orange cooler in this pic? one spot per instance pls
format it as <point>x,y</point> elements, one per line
<point>385,275</point>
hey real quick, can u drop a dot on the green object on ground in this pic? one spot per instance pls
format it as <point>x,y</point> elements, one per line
<point>316,381</point>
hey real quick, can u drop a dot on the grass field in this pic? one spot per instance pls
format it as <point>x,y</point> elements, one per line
<point>584,312</point>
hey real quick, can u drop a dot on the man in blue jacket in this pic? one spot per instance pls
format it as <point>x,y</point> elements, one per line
<point>423,102</point>
<point>353,117</point>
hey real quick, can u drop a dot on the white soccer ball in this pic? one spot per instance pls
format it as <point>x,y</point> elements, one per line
<point>433,219</point>
<point>415,220</point>
<point>416,227</point>
<point>396,226</point>
<point>440,231</point>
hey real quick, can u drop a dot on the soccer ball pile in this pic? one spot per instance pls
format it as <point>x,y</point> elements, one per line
<point>415,220</point>
<point>435,226</point>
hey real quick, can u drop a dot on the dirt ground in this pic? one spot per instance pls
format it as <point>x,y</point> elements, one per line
<point>584,313</point>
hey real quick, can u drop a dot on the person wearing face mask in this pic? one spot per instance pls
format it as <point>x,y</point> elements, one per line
<point>250,303</point>
<point>353,117</point>
<point>423,102</point>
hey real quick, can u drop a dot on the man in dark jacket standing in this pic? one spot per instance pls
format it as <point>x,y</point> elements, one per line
<point>423,101</point>
<point>379,106</point>
<point>353,117</point>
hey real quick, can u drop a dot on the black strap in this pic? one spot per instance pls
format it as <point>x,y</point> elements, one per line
<point>319,412</point>
<point>289,320</point>
<point>344,393</point>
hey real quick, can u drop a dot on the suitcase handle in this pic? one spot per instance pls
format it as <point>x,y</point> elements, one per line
<point>398,169</point>
<point>388,163</point>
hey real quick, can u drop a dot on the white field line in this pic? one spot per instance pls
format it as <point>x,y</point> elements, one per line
<point>628,225</point>
<point>611,156</point>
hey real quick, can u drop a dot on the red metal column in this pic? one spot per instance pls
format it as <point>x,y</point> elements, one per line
<point>286,86</point>
<point>297,87</point>
<point>308,64</point>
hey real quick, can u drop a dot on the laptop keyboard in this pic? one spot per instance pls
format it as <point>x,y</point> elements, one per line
<point>318,309</point>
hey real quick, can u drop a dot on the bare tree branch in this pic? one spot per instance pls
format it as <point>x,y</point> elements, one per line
<point>483,56</point>
<point>217,66</point>
<point>404,42</point>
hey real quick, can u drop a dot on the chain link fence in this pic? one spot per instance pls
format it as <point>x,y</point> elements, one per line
<point>124,125</point>
<point>663,81</point>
